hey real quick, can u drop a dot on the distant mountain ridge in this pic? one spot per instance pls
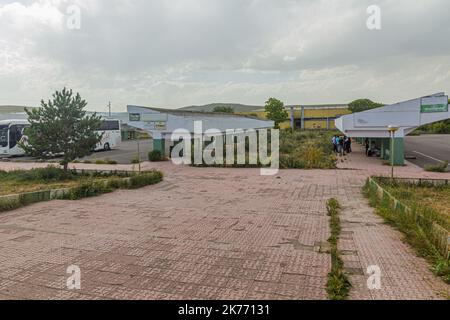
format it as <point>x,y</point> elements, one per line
<point>12,109</point>
<point>237,107</point>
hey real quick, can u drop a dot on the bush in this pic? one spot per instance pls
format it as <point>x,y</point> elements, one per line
<point>9,204</point>
<point>100,161</point>
<point>88,189</point>
<point>155,156</point>
<point>443,167</point>
<point>111,161</point>
<point>40,174</point>
<point>144,179</point>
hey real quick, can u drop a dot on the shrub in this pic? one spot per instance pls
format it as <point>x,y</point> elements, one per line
<point>155,156</point>
<point>9,204</point>
<point>88,189</point>
<point>39,174</point>
<point>100,161</point>
<point>144,179</point>
<point>111,161</point>
<point>443,167</point>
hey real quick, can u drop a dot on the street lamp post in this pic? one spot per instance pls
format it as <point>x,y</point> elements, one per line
<point>392,130</point>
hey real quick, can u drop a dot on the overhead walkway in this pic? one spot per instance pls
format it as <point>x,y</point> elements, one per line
<point>407,116</point>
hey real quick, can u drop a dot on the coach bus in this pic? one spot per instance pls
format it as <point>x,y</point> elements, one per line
<point>12,132</point>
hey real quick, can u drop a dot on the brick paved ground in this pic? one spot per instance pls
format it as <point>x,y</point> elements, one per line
<point>206,234</point>
<point>366,241</point>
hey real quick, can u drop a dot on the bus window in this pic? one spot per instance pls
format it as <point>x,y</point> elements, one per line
<point>3,136</point>
<point>15,134</point>
<point>109,126</point>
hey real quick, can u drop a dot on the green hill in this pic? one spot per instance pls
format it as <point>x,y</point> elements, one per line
<point>210,107</point>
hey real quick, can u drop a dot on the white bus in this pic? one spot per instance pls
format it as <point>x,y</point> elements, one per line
<point>112,135</point>
<point>12,132</point>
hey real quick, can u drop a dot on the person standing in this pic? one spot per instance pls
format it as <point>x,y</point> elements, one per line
<point>350,145</point>
<point>333,140</point>
<point>367,144</point>
<point>339,145</point>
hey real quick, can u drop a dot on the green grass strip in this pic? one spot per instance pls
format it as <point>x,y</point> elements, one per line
<point>338,285</point>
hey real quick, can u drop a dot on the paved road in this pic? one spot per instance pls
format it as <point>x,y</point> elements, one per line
<point>428,149</point>
<point>125,152</point>
<point>208,233</point>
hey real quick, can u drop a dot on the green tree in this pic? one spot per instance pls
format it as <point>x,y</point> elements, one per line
<point>61,126</point>
<point>223,109</point>
<point>275,111</point>
<point>363,105</point>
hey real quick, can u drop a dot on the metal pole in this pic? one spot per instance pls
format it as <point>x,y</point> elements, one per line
<point>392,155</point>
<point>109,107</point>
<point>139,154</point>
<point>292,119</point>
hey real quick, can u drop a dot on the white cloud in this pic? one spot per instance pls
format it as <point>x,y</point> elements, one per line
<point>181,52</point>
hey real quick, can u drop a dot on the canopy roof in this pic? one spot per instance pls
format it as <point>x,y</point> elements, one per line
<point>407,115</point>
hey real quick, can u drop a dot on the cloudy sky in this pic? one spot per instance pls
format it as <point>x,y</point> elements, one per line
<point>174,53</point>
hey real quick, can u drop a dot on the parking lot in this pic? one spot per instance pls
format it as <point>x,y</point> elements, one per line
<point>124,153</point>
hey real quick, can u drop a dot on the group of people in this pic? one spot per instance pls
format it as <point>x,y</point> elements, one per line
<point>342,145</point>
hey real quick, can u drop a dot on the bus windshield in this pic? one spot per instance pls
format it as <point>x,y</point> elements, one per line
<point>3,136</point>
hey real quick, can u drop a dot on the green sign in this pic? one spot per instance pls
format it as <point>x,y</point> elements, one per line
<point>431,108</point>
<point>135,117</point>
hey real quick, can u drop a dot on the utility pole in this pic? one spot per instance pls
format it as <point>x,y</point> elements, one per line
<point>109,107</point>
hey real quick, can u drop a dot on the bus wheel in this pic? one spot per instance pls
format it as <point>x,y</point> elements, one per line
<point>106,147</point>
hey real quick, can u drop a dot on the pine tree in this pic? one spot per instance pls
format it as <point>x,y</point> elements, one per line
<point>62,126</point>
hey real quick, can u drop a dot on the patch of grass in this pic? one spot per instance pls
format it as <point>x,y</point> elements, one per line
<point>298,150</point>
<point>136,160</point>
<point>307,150</point>
<point>416,227</point>
<point>94,188</point>
<point>338,285</point>
<point>81,185</point>
<point>105,161</point>
<point>443,167</point>
<point>9,204</point>
<point>23,181</point>
<point>145,179</point>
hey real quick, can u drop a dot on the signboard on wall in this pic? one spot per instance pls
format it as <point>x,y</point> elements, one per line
<point>431,108</point>
<point>135,117</point>
<point>156,125</point>
<point>434,104</point>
